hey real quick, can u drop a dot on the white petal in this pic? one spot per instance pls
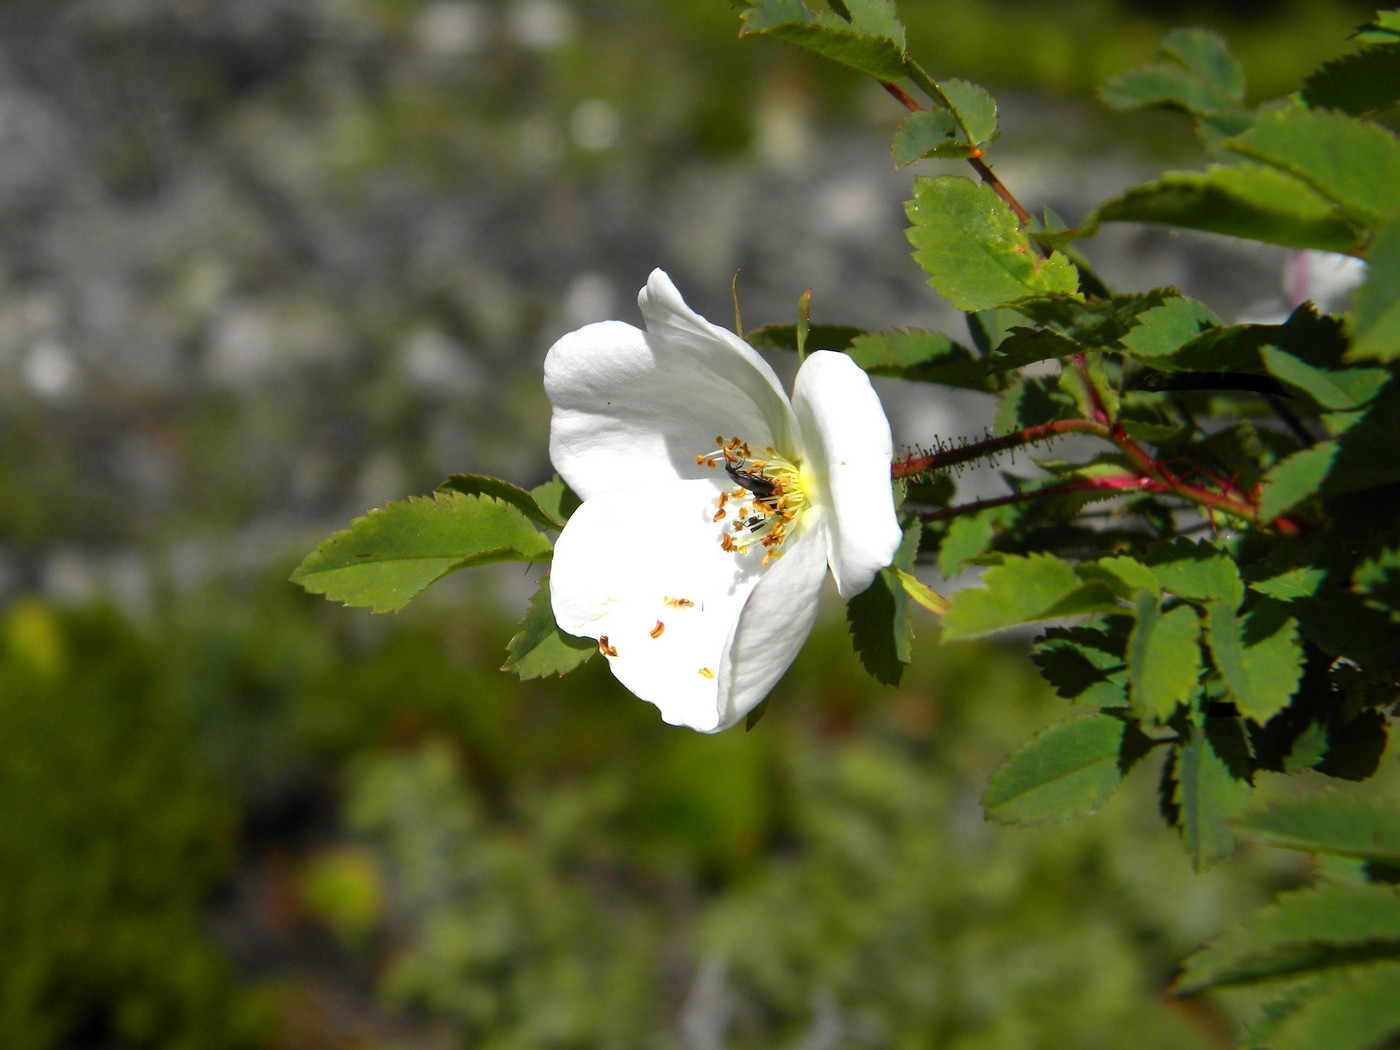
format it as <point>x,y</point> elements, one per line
<point>630,405</point>
<point>847,447</point>
<point>631,559</point>
<point>775,622</point>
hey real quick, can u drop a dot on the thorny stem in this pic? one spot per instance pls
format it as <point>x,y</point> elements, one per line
<point>937,459</point>
<point>1151,475</point>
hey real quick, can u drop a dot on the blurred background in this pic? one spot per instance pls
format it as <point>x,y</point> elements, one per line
<point>267,263</point>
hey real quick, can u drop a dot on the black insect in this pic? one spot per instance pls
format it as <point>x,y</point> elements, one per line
<point>764,489</point>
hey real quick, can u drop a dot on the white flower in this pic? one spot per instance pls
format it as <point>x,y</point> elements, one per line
<point>712,504</point>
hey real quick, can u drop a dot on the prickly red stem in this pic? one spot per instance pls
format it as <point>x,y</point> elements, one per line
<point>938,459</point>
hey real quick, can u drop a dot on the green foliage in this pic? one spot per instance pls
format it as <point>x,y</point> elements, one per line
<point>113,837</point>
<point>392,553</point>
<point>551,493</point>
<point>976,255</point>
<point>1361,83</point>
<point>1242,200</point>
<point>866,35</point>
<point>1336,824</point>
<point>540,648</point>
<point>1069,770</point>
<point>1197,75</point>
<point>1375,323</point>
<point>1164,658</point>
<point>1355,164</point>
<point>964,129</point>
<point>1268,649</point>
<point>881,628</point>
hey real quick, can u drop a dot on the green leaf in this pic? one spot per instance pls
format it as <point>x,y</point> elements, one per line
<point>1196,570</point>
<point>1353,1009</point>
<point>1068,770</point>
<point>556,499</point>
<point>1164,658</point>
<point>922,593</point>
<point>525,502</point>
<point>871,42</point>
<point>919,354</point>
<point>968,535</point>
<point>1258,655</point>
<point>1021,590</point>
<point>881,628</point>
<point>1198,76</point>
<point>1288,573</point>
<point>1375,321</point>
<point>1313,338</point>
<point>967,240</point>
<point>1084,665</point>
<point>1378,579</point>
<point>386,557</point>
<point>1245,200</point>
<point>1211,771</point>
<point>1361,457</point>
<point>1353,163</point>
<point>1301,933</point>
<point>1384,29</point>
<point>974,108</point>
<point>1163,329</point>
<point>540,648</point>
<point>928,133</point>
<point>1097,323</point>
<point>1125,575</point>
<point>1361,83</point>
<point>1332,823</point>
<point>1332,390</point>
<point>819,336</point>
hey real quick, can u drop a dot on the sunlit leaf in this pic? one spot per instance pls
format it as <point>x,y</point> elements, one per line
<point>480,484</point>
<point>1244,200</point>
<point>1164,658</point>
<point>1361,457</point>
<point>1197,570</point>
<point>1021,590</point>
<point>967,240</point>
<point>1164,328</point>
<point>386,557</point>
<point>873,42</point>
<point>1353,163</point>
<point>1332,390</point>
<point>1258,655</point>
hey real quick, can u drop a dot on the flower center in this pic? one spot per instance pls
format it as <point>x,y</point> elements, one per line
<point>766,499</point>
